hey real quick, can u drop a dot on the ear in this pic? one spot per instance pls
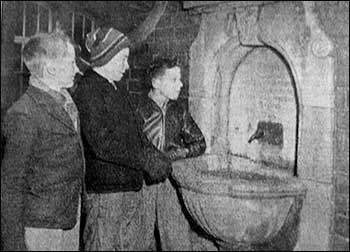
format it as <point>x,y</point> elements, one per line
<point>50,70</point>
<point>156,83</point>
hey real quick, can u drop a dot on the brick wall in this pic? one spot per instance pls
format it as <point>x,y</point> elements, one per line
<point>334,18</point>
<point>173,36</point>
<point>10,54</point>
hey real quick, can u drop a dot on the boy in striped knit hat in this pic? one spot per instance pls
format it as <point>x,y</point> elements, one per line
<point>118,156</point>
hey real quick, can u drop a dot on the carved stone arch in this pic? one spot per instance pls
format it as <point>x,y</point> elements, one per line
<point>294,32</point>
<point>230,57</point>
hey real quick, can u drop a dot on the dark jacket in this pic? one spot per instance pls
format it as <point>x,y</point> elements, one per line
<point>42,169</point>
<point>114,145</point>
<point>173,132</point>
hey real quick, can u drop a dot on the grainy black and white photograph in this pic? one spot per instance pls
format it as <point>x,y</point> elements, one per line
<point>174,126</point>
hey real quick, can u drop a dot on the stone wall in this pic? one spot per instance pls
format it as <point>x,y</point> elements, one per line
<point>334,18</point>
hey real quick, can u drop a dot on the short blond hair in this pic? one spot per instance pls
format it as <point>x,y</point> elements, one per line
<point>45,46</point>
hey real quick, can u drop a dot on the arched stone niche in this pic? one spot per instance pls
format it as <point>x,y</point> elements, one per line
<point>287,33</point>
<point>262,91</point>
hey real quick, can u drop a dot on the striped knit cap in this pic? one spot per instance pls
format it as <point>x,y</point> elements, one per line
<point>103,44</point>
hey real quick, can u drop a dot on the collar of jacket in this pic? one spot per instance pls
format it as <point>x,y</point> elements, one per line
<point>155,104</point>
<point>90,72</point>
<point>47,102</point>
<point>59,97</point>
<point>109,80</point>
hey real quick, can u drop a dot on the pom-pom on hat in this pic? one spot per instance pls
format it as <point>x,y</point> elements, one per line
<point>103,44</point>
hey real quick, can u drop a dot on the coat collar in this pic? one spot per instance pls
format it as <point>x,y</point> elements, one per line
<point>94,74</point>
<point>155,105</point>
<point>48,103</point>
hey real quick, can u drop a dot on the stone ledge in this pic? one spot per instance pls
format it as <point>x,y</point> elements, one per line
<point>206,6</point>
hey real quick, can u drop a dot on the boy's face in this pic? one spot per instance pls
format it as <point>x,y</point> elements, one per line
<point>169,84</point>
<point>63,70</point>
<point>117,66</point>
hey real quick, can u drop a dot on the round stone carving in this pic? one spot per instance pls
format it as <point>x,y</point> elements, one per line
<point>321,47</point>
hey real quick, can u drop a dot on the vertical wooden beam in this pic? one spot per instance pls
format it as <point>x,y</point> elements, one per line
<point>73,21</point>
<point>38,19</point>
<point>50,20</point>
<point>83,32</point>
<point>22,47</point>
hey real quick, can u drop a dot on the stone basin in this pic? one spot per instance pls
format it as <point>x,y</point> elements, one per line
<point>246,208</point>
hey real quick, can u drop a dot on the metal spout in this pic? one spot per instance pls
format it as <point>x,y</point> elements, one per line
<point>259,133</point>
